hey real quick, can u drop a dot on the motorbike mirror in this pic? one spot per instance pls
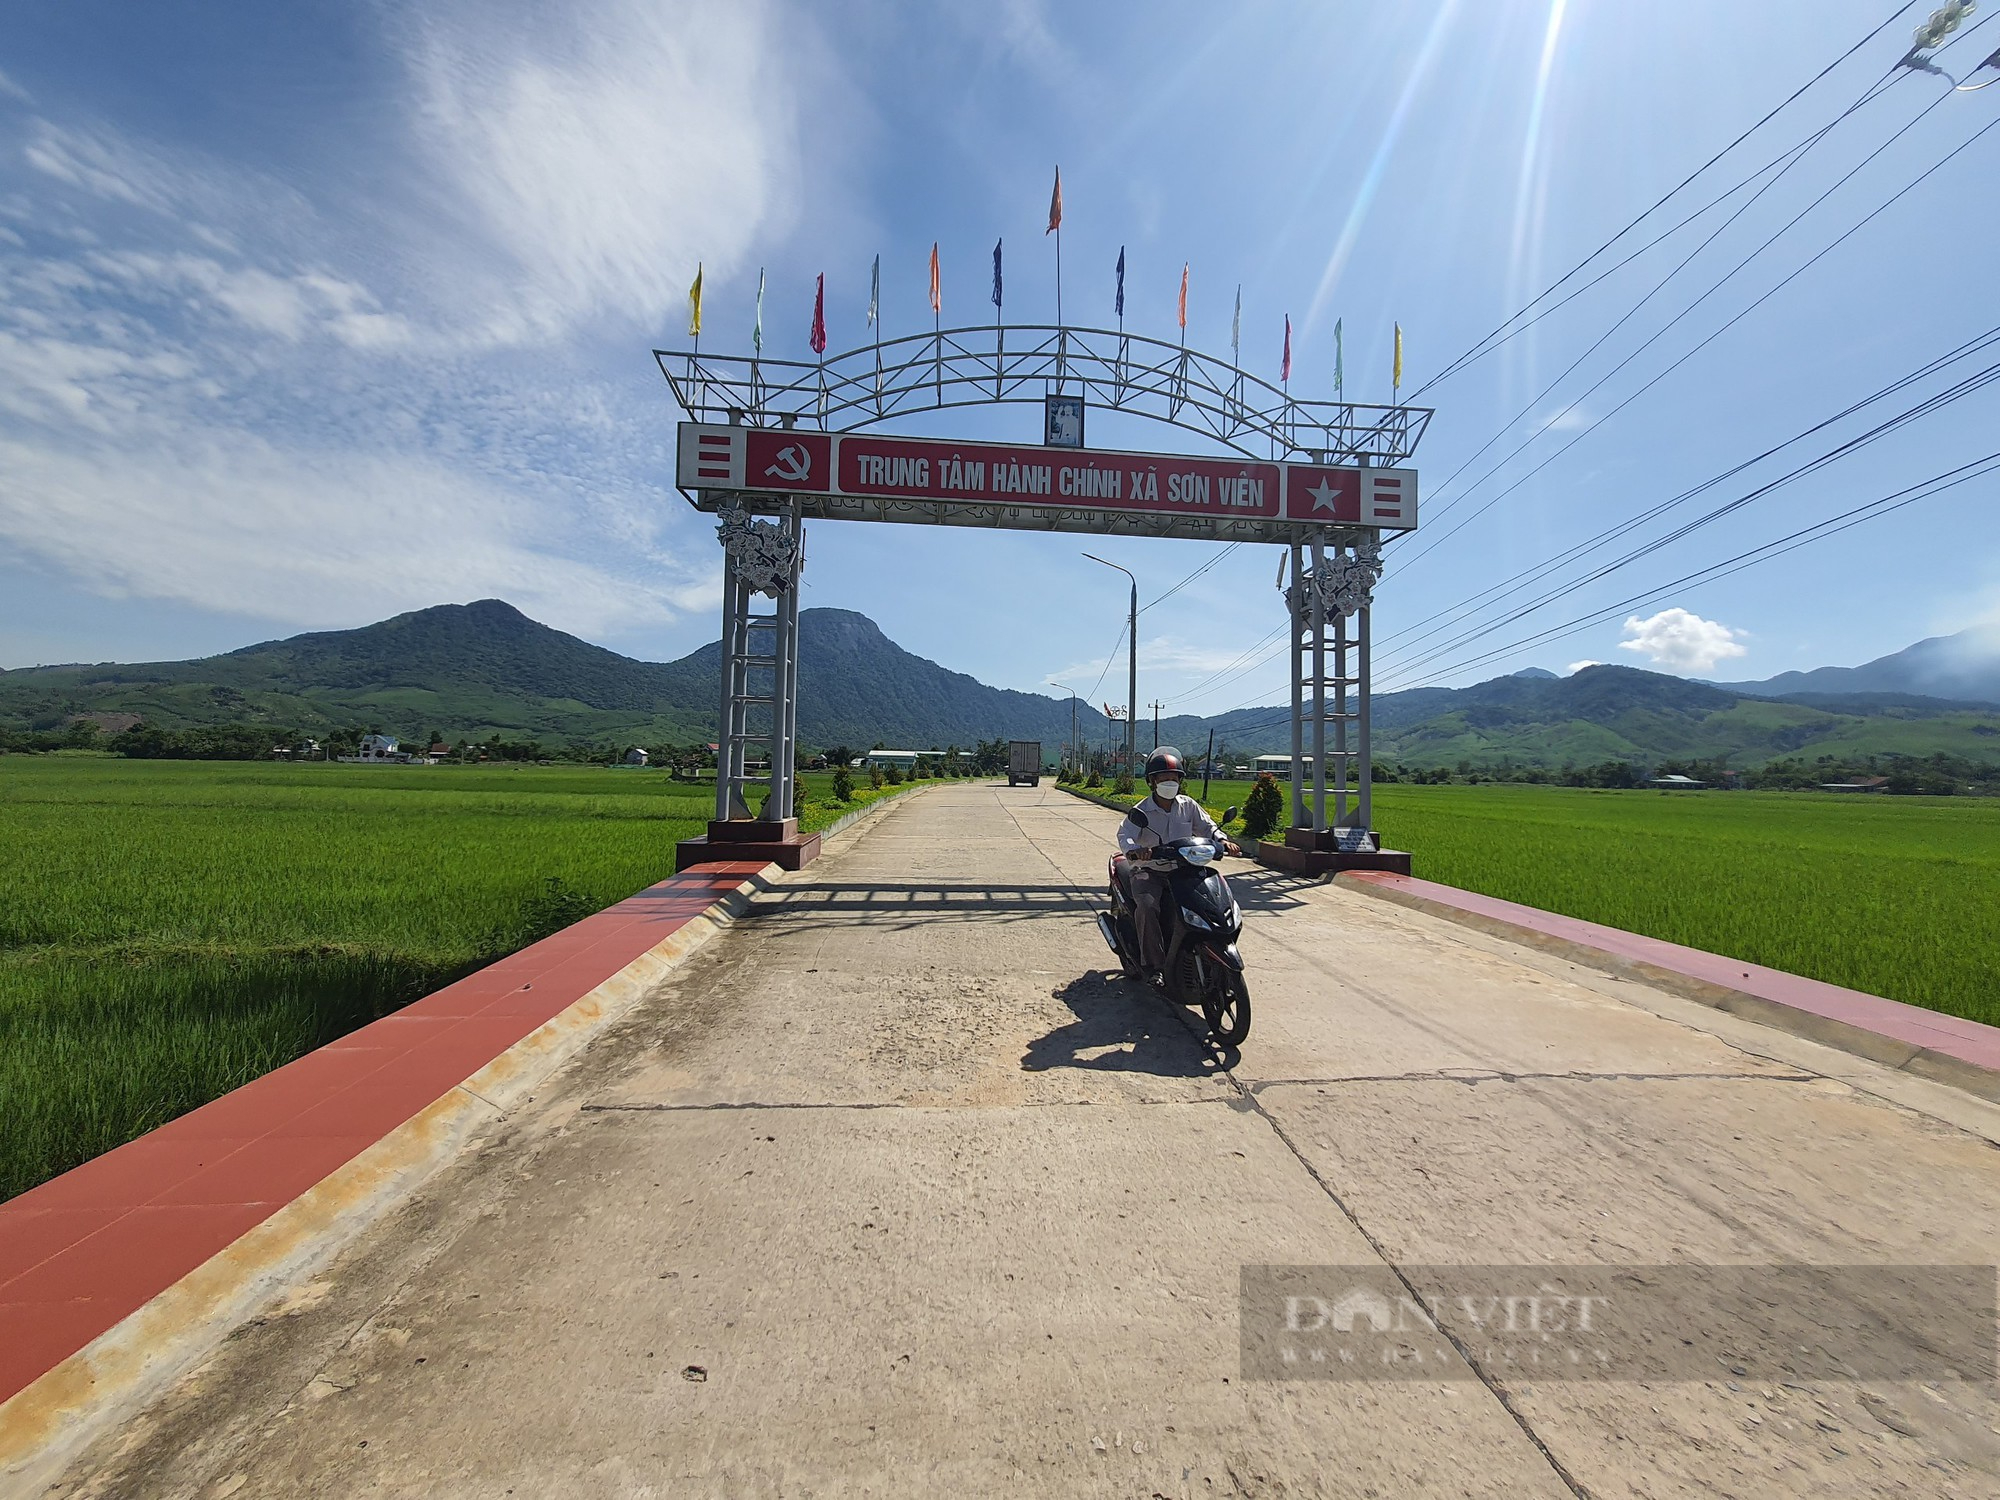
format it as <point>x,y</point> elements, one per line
<point>1229,815</point>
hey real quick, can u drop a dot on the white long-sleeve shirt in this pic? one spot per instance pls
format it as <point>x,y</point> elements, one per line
<point>1150,824</point>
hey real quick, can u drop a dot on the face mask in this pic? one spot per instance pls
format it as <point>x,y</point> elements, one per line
<point>1166,791</point>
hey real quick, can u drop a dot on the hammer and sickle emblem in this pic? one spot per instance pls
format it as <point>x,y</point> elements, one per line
<point>793,464</point>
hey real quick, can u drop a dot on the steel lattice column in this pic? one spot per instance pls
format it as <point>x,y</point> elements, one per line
<point>1328,663</point>
<point>759,663</point>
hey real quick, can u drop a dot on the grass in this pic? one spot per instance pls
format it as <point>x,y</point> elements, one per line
<point>170,930</point>
<point>1890,895</point>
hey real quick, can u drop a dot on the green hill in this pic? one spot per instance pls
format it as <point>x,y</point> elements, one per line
<point>471,670</point>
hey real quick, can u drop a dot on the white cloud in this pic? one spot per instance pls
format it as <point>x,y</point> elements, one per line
<point>12,90</point>
<point>236,524</point>
<point>1577,666</point>
<point>1681,641</point>
<point>603,149</point>
<point>225,390</point>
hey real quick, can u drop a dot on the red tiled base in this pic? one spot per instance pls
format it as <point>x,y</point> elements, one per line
<point>88,1248</point>
<point>1950,1049</point>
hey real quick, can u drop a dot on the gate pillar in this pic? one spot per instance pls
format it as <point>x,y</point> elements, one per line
<point>758,708</point>
<point>1333,576</point>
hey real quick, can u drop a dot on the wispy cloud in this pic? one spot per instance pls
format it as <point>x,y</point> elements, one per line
<point>269,398</point>
<point>599,151</point>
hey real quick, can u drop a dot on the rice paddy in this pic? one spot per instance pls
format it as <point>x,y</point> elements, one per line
<point>170,930</point>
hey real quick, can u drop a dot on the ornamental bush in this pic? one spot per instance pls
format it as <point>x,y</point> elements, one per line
<point>1264,808</point>
<point>1123,786</point>
<point>843,784</point>
<point>1093,780</point>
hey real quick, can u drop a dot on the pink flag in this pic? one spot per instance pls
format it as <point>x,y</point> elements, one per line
<point>819,316</point>
<point>1285,370</point>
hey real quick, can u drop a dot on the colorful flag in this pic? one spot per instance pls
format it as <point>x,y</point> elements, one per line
<point>1397,379</point>
<point>937,287</point>
<point>1183,306</point>
<point>757,332</point>
<point>996,274</point>
<point>819,316</point>
<point>1121,281</point>
<point>874,291</point>
<point>1055,205</point>
<point>694,303</point>
<point>1338,360</point>
<point>1236,328</point>
<point>1285,369</point>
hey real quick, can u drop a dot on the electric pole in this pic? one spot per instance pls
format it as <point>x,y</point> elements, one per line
<point>1131,667</point>
<point>1157,706</point>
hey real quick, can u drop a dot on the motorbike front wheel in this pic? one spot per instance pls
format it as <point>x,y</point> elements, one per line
<point>1225,1005</point>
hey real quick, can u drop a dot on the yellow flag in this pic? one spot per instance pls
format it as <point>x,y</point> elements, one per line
<point>694,303</point>
<point>1397,379</point>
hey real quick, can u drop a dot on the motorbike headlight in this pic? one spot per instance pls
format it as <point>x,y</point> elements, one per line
<point>1195,919</point>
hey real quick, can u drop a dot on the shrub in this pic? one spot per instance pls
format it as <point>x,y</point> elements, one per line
<point>1093,780</point>
<point>1264,808</point>
<point>843,784</point>
<point>895,774</point>
<point>1124,785</point>
<point>875,777</point>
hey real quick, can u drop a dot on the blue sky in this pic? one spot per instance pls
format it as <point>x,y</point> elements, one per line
<point>314,313</point>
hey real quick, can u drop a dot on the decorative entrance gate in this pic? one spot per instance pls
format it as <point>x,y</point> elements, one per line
<point>773,444</point>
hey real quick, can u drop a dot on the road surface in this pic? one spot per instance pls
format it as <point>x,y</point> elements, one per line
<point>889,1191</point>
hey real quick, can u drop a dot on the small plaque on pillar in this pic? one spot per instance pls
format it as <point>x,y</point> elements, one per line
<point>1355,841</point>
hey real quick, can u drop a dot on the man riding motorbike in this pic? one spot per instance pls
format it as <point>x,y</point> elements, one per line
<point>1164,816</point>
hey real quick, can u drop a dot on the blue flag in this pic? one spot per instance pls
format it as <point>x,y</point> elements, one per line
<point>1121,281</point>
<point>996,274</point>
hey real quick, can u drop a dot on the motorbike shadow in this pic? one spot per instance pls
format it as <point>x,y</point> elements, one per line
<point>1138,1025</point>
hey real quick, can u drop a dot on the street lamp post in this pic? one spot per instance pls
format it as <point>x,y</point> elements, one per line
<point>1131,665</point>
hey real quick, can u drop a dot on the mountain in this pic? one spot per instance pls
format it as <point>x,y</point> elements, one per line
<point>482,668</point>
<point>1965,666</point>
<point>470,670</point>
<point>1536,672</point>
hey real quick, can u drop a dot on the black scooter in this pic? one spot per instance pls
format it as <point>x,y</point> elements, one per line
<point>1200,922</point>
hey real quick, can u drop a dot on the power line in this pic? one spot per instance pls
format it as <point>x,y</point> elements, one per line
<point>1434,543</point>
<point>1930,404</point>
<point>1479,348</point>
<point>1937,484</point>
<point>1471,606</point>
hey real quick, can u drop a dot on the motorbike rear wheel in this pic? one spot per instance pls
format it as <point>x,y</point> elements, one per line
<point>1225,1005</point>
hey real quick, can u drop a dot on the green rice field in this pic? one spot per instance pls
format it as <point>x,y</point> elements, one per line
<point>1897,896</point>
<point>170,930</point>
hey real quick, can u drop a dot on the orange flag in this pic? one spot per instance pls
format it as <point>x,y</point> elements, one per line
<point>1055,205</point>
<point>937,289</point>
<point>1184,271</point>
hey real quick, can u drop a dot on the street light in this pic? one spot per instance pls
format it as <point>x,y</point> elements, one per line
<point>1132,664</point>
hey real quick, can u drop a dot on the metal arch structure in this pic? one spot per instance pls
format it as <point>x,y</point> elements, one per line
<point>792,441</point>
<point>1112,370</point>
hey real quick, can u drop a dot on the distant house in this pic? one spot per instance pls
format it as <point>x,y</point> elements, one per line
<point>903,759</point>
<point>636,757</point>
<point>440,749</point>
<point>383,750</point>
<point>1862,784</point>
<point>1683,783</point>
<point>1280,766</point>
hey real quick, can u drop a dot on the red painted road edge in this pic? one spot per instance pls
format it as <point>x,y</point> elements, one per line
<point>83,1251</point>
<point>1909,1033</point>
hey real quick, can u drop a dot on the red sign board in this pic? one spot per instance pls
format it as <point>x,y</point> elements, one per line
<point>773,460</point>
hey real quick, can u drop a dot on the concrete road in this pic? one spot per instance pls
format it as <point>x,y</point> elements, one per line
<point>890,1192</point>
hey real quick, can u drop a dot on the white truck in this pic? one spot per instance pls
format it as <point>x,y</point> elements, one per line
<point>1024,763</point>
